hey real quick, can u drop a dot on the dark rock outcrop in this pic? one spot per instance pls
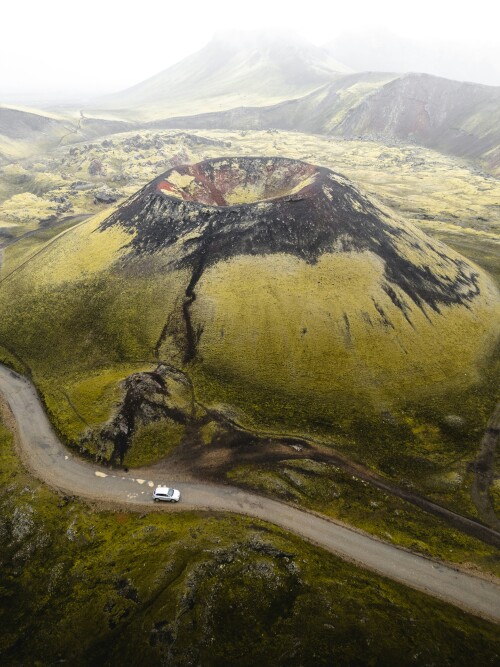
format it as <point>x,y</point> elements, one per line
<point>96,168</point>
<point>165,393</point>
<point>106,196</point>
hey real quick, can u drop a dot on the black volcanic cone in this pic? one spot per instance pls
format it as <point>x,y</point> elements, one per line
<point>220,208</point>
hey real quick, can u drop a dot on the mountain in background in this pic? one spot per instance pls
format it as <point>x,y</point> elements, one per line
<point>456,118</point>
<point>318,112</point>
<point>235,68</point>
<point>453,117</point>
<point>265,80</point>
<point>24,131</point>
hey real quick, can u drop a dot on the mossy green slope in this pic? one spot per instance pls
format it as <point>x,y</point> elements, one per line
<point>366,317</point>
<point>81,325</point>
<point>108,588</point>
<point>330,330</point>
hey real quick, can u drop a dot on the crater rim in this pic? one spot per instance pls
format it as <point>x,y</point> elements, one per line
<point>240,181</point>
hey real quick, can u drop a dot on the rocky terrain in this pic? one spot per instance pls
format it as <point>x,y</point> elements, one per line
<point>110,587</point>
<point>435,192</point>
<point>235,271</point>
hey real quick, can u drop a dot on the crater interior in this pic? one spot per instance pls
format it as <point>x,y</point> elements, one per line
<point>227,182</point>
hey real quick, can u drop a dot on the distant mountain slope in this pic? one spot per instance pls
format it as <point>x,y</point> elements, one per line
<point>318,112</point>
<point>453,117</point>
<point>28,132</point>
<point>461,119</point>
<point>20,124</point>
<point>23,132</point>
<point>235,68</point>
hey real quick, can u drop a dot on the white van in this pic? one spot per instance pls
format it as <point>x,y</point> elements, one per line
<point>167,494</point>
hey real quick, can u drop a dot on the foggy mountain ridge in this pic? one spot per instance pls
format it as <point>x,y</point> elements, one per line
<point>249,67</point>
<point>275,79</point>
<point>453,117</point>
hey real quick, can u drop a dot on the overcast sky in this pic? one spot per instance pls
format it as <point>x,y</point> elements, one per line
<point>97,46</point>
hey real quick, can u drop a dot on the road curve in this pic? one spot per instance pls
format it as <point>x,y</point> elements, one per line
<point>50,461</point>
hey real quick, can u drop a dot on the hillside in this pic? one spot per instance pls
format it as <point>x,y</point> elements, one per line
<point>460,119</point>
<point>24,132</point>
<point>234,69</point>
<point>280,290</point>
<point>316,112</point>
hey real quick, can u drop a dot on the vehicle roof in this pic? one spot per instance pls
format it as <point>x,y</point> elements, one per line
<point>162,489</point>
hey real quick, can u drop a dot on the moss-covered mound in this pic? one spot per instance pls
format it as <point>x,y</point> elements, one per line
<point>276,285</point>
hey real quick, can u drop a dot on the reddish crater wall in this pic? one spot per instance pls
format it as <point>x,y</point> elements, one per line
<point>235,181</point>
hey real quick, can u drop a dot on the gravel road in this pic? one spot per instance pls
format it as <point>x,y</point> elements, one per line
<point>49,460</point>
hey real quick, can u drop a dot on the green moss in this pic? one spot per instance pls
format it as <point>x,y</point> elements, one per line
<point>100,330</point>
<point>209,432</point>
<point>21,250</point>
<point>12,361</point>
<point>483,251</point>
<point>78,403</point>
<point>329,490</point>
<point>153,442</point>
<point>285,329</point>
<point>94,394</point>
<point>109,588</point>
<point>417,444</point>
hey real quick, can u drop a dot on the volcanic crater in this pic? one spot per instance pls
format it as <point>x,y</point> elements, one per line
<point>225,207</point>
<point>245,181</point>
<point>275,288</point>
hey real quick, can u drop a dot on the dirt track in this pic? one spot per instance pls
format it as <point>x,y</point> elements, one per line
<point>50,461</point>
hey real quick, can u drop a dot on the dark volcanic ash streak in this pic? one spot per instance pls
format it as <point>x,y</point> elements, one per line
<point>285,206</point>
